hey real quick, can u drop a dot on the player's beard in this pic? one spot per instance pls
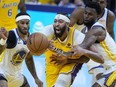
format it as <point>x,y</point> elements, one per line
<point>89,23</point>
<point>21,31</point>
<point>58,35</point>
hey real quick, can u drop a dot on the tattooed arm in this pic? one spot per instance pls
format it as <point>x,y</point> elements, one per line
<point>95,34</point>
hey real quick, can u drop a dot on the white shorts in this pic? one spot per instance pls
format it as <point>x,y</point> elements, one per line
<point>63,80</point>
<point>108,79</point>
<point>13,80</point>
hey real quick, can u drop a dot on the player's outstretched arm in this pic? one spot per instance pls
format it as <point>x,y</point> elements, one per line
<point>31,68</point>
<point>77,16</point>
<point>22,6</point>
<point>88,53</point>
<point>62,60</point>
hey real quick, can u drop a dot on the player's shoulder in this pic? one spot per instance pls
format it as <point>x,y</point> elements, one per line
<point>110,13</point>
<point>97,24</point>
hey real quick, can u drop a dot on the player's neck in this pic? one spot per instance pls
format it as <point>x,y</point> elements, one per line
<point>23,36</point>
<point>64,36</point>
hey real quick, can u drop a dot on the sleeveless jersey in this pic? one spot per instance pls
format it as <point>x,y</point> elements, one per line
<point>8,11</point>
<point>107,49</point>
<point>52,71</point>
<point>14,57</point>
<point>104,18</point>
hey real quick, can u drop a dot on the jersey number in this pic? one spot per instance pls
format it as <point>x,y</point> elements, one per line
<point>10,12</point>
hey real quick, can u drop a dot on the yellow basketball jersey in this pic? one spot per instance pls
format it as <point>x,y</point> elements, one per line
<point>52,70</point>
<point>8,11</point>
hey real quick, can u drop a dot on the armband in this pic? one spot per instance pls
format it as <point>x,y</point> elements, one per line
<point>2,41</point>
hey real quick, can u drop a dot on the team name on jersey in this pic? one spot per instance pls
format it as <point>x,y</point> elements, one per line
<point>10,5</point>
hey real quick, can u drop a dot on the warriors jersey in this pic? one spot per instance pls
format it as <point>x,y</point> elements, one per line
<point>104,18</point>
<point>16,52</point>
<point>8,11</point>
<point>107,49</point>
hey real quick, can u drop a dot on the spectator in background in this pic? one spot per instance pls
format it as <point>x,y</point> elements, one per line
<point>57,2</point>
<point>32,1</point>
<point>51,2</point>
<point>79,3</point>
<point>66,3</point>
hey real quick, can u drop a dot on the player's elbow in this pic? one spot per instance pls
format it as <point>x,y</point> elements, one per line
<point>101,60</point>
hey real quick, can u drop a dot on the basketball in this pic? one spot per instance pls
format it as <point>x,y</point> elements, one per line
<point>37,43</point>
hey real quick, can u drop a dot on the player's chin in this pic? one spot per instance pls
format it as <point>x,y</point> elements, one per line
<point>25,33</point>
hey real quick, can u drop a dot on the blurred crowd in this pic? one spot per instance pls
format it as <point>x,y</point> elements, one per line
<point>66,3</point>
<point>71,3</point>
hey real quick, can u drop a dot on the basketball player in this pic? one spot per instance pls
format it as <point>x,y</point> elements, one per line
<point>8,11</point>
<point>16,52</point>
<point>106,17</point>
<point>63,39</point>
<point>97,35</point>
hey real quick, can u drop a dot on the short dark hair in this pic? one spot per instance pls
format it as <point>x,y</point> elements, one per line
<point>94,5</point>
<point>20,14</point>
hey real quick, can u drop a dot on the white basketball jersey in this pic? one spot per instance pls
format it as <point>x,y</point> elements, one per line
<point>104,18</point>
<point>107,49</point>
<point>14,57</point>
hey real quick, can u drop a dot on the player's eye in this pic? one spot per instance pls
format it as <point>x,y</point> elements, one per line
<point>22,23</point>
<point>27,23</point>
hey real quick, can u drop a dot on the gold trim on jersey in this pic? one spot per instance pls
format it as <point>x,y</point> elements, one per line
<point>111,79</point>
<point>107,50</point>
<point>2,55</point>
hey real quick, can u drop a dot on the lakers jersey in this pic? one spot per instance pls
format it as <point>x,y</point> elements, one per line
<point>52,71</point>
<point>8,11</point>
<point>16,52</point>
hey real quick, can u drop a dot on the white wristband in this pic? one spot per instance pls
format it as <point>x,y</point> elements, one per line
<point>2,41</point>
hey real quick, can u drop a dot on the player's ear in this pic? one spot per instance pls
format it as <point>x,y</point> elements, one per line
<point>67,24</point>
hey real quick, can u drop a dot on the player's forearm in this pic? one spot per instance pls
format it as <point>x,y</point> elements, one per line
<point>82,59</point>
<point>94,56</point>
<point>31,67</point>
<point>88,42</point>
